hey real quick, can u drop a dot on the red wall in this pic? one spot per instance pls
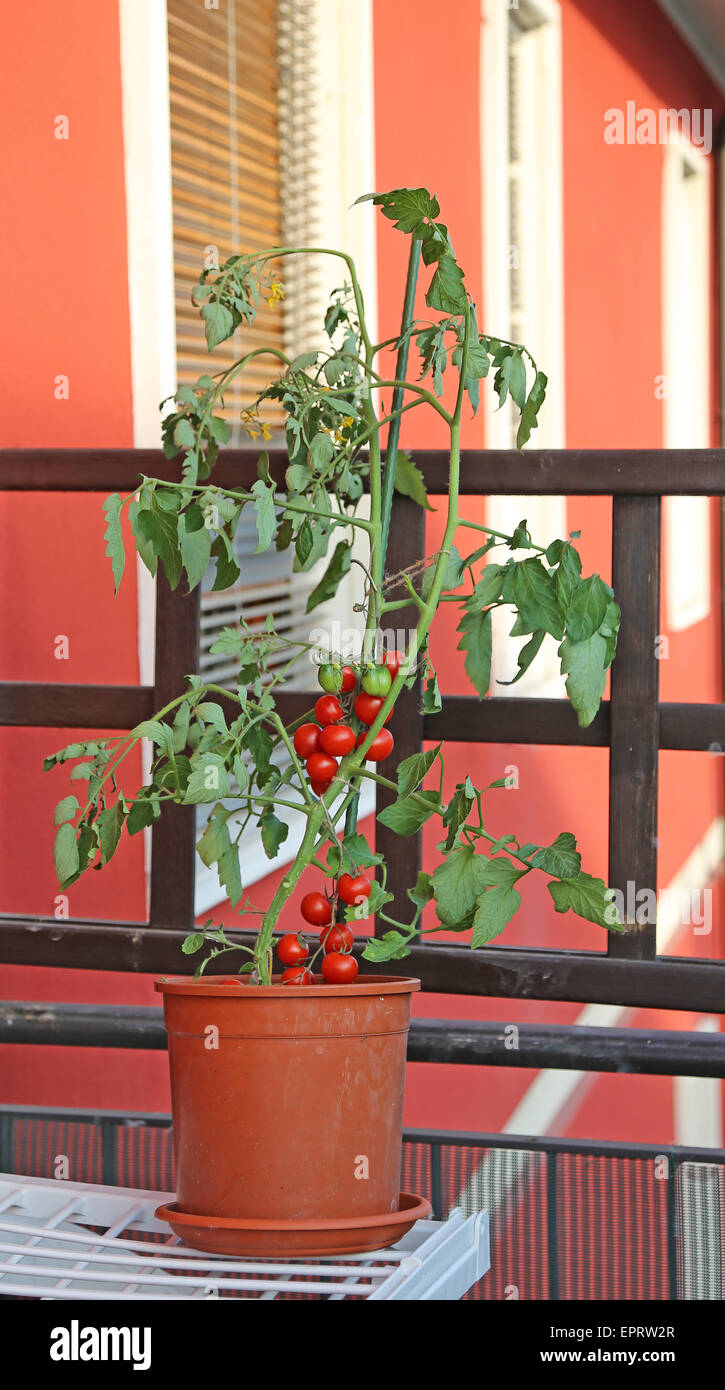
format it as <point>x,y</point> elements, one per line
<point>69,198</point>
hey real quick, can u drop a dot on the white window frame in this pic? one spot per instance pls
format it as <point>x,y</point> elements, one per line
<point>686,399</point>
<point>546,515</point>
<point>347,111</point>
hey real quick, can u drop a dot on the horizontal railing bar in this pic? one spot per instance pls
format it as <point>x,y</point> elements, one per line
<point>669,982</point>
<point>535,472</point>
<point>603,1148</point>
<point>438,1041</point>
<point>463,719</point>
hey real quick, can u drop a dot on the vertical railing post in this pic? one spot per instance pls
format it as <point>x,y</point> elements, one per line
<point>174,835</point>
<point>403,856</point>
<point>634,746</point>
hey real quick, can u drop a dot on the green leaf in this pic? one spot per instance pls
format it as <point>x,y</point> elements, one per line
<point>422,892</point>
<point>530,412</point>
<point>144,812</point>
<point>488,588</point>
<point>65,854</point>
<point>476,641</point>
<point>215,847</point>
<point>367,907</point>
<point>517,379</point>
<point>110,825</point>
<point>264,514</point>
<point>457,812</point>
<point>219,322</point>
<point>335,572</point>
<point>407,815</point>
<point>144,547</point>
<point>588,897</point>
<point>183,433</point>
<point>208,781</point>
<point>585,666</point>
<point>193,943</point>
<point>501,872</point>
<point>452,573</point>
<point>195,544</point>
<point>446,291</point>
<point>535,597</point>
<point>609,631</point>
<point>567,575</point>
<point>259,743</point>
<point>65,810</point>
<point>587,609</point>
<point>213,714</point>
<point>113,537</point>
<point>526,656</point>
<point>406,207</point>
<point>457,883</point>
<point>412,770</point>
<point>494,910</point>
<point>160,528</point>
<point>391,946</point>
<point>357,852</point>
<point>560,859</point>
<point>159,733</point>
<point>432,702</point>
<point>409,480</point>
<point>274,833</point>
<point>322,451</point>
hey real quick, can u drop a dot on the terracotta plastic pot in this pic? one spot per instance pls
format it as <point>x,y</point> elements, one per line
<point>287,1111</point>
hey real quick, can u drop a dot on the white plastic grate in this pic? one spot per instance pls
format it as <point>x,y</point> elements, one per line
<point>63,1240</point>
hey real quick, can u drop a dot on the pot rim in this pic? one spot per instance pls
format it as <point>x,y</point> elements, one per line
<point>228,986</point>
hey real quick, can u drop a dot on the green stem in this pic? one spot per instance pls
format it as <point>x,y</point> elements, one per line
<point>401,367</point>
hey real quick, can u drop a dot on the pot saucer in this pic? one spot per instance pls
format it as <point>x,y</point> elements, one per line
<point>229,1235</point>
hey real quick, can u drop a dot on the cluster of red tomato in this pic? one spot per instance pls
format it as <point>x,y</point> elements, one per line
<point>322,744</point>
<point>338,967</point>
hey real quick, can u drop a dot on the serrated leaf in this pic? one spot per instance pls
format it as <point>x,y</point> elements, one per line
<point>446,291</point>
<point>432,702</point>
<point>159,733</point>
<point>585,666</point>
<point>144,812</point>
<point>534,595</point>
<point>336,570</point>
<point>110,825</point>
<point>274,833</point>
<point>517,379</point>
<point>113,537</point>
<point>457,883</point>
<point>192,943</point>
<point>406,207</point>
<point>588,897</point>
<point>219,322</point>
<point>567,575</point>
<point>391,946</point>
<point>408,814</point>
<point>560,859</point>
<point>587,609</point>
<point>526,656</point>
<point>452,573</point>
<point>457,812</point>
<point>160,528</point>
<point>264,514</point>
<point>65,854</point>
<point>488,588</point>
<point>494,910</point>
<point>501,872</point>
<point>530,412</point>
<point>195,544</point>
<point>412,770</point>
<point>65,810</point>
<point>357,852</point>
<point>409,480</point>
<point>422,891</point>
<point>476,641</point>
<point>209,780</point>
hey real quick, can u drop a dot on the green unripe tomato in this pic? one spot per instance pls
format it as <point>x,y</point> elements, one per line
<point>377,681</point>
<point>330,678</point>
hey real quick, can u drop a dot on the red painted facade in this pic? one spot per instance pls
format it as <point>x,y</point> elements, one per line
<point>67,314</point>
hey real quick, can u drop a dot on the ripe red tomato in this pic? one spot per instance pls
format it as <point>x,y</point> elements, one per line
<point>353,888</point>
<point>321,767</point>
<point>338,969</point>
<point>377,681</point>
<point>337,938</point>
<point>297,975</point>
<point>328,710</point>
<point>319,788</point>
<point>316,909</point>
<point>307,740</point>
<point>349,680</point>
<point>337,740</point>
<point>394,661</point>
<point>292,949</point>
<point>380,748</point>
<point>367,708</point>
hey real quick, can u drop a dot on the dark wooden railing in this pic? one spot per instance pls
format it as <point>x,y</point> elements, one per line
<point>633,724</point>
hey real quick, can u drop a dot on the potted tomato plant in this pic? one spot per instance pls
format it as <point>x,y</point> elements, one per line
<point>287,1086</point>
